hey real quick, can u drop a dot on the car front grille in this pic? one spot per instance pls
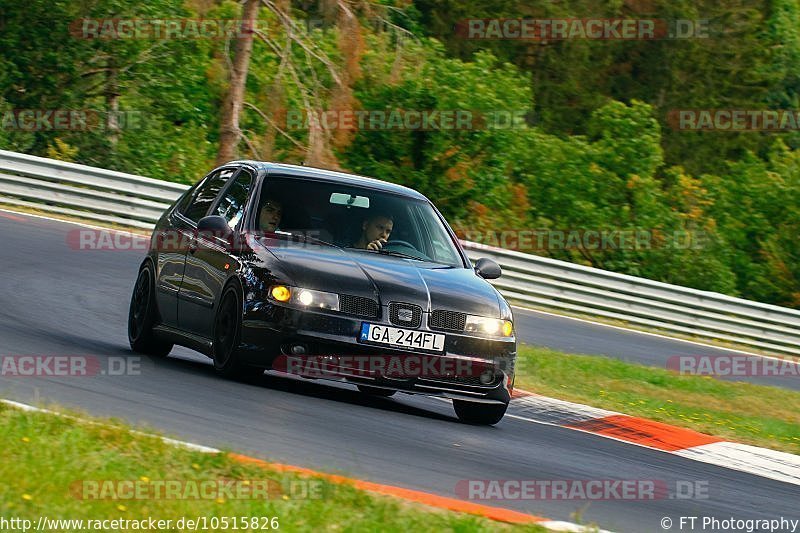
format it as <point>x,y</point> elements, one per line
<point>358,305</point>
<point>447,320</point>
<point>399,311</point>
<point>472,381</point>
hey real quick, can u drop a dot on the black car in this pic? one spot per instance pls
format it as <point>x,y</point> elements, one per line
<point>325,275</point>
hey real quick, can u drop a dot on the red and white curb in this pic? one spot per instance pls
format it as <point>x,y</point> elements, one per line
<point>686,443</point>
<point>424,498</point>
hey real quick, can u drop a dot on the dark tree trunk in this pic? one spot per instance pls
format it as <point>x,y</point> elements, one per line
<point>229,132</point>
<point>112,95</point>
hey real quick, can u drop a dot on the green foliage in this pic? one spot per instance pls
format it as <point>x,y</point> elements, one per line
<point>61,151</point>
<point>747,59</point>
<point>757,207</point>
<point>609,182</point>
<point>160,84</point>
<point>463,167</point>
<point>591,150</point>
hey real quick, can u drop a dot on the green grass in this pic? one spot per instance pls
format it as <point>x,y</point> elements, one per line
<point>44,456</point>
<point>742,412</point>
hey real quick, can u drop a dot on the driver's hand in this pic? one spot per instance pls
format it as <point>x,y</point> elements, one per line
<point>376,245</point>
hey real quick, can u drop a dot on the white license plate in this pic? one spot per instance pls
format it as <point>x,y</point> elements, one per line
<point>406,338</point>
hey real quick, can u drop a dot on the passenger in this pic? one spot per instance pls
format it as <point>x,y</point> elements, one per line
<point>375,232</point>
<point>270,216</point>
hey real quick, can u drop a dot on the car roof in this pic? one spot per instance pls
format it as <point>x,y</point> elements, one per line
<point>331,176</point>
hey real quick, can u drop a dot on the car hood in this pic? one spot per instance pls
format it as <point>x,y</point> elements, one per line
<point>388,279</point>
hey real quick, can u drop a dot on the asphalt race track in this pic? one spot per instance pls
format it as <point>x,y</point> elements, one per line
<point>56,300</point>
<point>575,336</point>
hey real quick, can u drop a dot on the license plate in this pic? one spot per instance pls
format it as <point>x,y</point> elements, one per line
<point>406,338</point>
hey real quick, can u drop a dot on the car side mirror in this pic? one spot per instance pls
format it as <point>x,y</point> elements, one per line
<point>487,268</point>
<point>214,226</point>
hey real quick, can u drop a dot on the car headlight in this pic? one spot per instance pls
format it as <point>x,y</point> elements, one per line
<point>305,297</point>
<point>493,327</point>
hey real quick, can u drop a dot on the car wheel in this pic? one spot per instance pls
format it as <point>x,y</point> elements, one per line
<point>485,414</point>
<point>227,334</point>
<point>376,391</point>
<point>142,315</point>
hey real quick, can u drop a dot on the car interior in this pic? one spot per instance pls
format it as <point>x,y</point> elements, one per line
<point>308,210</point>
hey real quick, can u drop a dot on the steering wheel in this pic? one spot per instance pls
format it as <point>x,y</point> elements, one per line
<point>400,244</point>
<point>406,248</point>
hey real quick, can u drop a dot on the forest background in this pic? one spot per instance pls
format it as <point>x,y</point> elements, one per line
<point>566,138</point>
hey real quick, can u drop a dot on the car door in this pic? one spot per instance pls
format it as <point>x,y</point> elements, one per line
<point>175,241</point>
<point>174,238</point>
<point>210,259</point>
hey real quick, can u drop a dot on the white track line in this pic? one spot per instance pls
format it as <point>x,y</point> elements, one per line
<point>75,223</point>
<point>546,407</point>
<point>556,525</point>
<point>179,443</point>
<point>752,459</point>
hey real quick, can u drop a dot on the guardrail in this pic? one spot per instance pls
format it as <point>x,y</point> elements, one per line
<point>109,196</point>
<point>560,285</point>
<point>80,190</point>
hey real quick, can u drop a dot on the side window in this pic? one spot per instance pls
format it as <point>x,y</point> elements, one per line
<point>183,203</point>
<point>231,207</point>
<point>206,194</point>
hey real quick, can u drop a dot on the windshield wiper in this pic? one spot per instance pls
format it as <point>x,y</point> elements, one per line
<point>400,254</point>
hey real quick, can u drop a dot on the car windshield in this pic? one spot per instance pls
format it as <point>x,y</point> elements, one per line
<point>352,217</point>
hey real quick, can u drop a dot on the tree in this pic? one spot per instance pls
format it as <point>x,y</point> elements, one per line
<point>229,132</point>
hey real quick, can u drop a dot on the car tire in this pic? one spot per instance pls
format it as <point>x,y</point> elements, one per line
<point>143,315</point>
<point>227,334</point>
<point>484,414</point>
<point>376,391</point>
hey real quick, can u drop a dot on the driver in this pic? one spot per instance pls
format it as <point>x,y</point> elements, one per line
<point>375,232</point>
<point>269,216</point>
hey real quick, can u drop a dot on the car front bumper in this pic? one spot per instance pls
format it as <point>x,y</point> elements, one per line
<point>325,345</point>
